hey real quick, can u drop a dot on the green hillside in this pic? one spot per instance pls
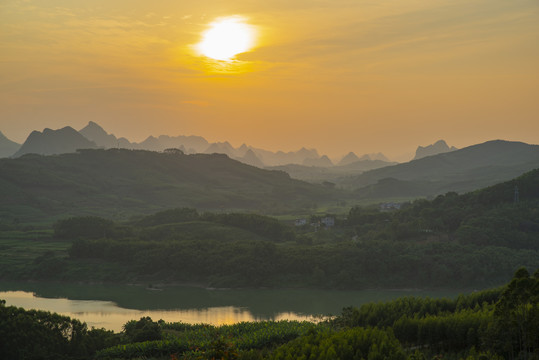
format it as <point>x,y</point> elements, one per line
<point>119,183</point>
<point>454,241</point>
<point>462,170</point>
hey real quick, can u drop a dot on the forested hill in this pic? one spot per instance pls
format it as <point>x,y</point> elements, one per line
<point>519,193</point>
<point>506,214</point>
<point>454,241</point>
<point>120,182</point>
<point>462,170</point>
<point>526,185</point>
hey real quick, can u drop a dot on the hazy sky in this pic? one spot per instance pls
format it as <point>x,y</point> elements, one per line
<point>337,75</point>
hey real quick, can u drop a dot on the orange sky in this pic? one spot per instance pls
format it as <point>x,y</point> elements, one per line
<point>336,75</point>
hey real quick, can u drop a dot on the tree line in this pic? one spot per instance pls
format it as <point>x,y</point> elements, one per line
<point>368,248</point>
<point>501,323</point>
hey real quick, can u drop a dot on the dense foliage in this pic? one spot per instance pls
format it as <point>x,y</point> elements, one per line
<point>471,240</point>
<point>495,324</point>
<point>454,240</point>
<point>206,341</point>
<point>426,244</point>
<point>356,343</point>
<point>119,182</point>
<point>502,321</point>
<point>32,334</point>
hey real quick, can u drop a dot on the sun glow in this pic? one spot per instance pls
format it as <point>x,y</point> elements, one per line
<point>226,38</point>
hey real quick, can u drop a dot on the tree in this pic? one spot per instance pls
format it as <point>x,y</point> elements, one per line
<point>143,330</point>
<point>517,316</point>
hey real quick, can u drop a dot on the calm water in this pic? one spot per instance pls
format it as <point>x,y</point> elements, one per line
<point>111,306</point>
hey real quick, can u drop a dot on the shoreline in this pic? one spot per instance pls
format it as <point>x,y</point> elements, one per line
<point>159,286</point>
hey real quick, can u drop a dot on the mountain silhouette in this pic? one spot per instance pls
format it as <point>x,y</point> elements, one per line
<point>188,144</point>
<point>270,158</point>
<point>150,143</point>
<point>221,148</point>
<point>375,156</point>
<point>461,170</point>
<point>7,147</point>
<point>100,137</point>
<point>322,161</point>
<point>49,142</point>
<point>242,150</point>
<point>304,153</point>
<point>348,159</point>
<point>250,158</point>
<point>192,143</point>
<point>439,147</point>
<point>351,158</point>
<point>196,144</point>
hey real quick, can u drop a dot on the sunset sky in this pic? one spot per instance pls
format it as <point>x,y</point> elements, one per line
<point>335,75</point>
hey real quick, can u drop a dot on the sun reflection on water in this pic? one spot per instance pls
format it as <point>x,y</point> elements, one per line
<point>108,315</point>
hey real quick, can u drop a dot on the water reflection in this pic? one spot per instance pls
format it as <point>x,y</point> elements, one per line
<point>107,314</point>
<point>111,306</point>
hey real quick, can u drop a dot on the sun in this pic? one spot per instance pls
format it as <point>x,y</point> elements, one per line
<point>225,38</point>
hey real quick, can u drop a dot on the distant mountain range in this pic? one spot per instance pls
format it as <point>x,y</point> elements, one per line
<point>125,182</point>
<point>439,147</point>
<point>461,170</point>
<point>66,140</point>
<point>51,142</point>
<point>7,147</point>
<point>351,158</point>
<point>335,174</point>
<point>188,144</point>
<point>322,161</point>
<point>95,133</point>
<point>436,169</point>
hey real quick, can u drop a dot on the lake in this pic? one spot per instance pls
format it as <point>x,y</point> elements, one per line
<point>111,306</point>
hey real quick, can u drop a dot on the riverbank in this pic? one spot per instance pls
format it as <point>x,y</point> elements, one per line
<point>119,303</point>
